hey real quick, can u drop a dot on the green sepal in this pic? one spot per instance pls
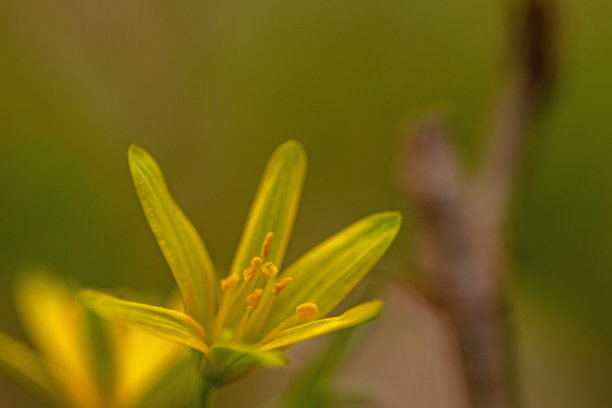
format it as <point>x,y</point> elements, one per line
<point>227,363</point>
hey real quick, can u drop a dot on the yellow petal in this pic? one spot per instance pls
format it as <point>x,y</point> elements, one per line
<point>171,387</point>
<point>227,363</point>
<point>166,323</point>
<point>178,239</point>
<point>328,272</point>
<point>22,362</point>
<point>55,323</point>
<point>143,361</point>
<point>273,211</point>
<point>274,207</point>
<point>357,315</point>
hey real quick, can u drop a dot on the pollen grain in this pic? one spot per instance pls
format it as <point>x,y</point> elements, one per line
<point>267,245</point>
<point>269,269</point>
<point>250,273</point>
<point>253,299</point>
<point>278,287</point>
<point>307,312</point>
<point>229,282</point>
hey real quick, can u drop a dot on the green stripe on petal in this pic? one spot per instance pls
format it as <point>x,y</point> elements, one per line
<point>24,364</point>
<point>275,206</point>
<point>166,323</point>
<point>227,363</point>
<point>178,239</point>
<point>357,315</point>
<point>328,272</point>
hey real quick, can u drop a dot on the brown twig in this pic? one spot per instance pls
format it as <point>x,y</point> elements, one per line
<point>461,219</point>
<point>466,286</point>
<point>526,89</point>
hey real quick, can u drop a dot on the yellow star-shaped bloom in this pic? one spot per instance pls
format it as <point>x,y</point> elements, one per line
<point>249,318</point>
<point>81,361</point>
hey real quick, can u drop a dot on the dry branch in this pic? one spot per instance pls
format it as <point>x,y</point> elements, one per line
<point>461,219</point>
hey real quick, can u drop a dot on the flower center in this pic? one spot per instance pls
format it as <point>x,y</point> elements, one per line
<point>262,289</point>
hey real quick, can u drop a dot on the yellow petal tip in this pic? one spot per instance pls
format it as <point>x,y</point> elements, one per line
<point>292,149</point>
<point>134,149</point>
<point>392,219</point>
<point>294,145</point>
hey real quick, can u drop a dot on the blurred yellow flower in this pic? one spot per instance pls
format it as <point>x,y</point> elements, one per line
<point>249,318</point>
<point>81,361</point>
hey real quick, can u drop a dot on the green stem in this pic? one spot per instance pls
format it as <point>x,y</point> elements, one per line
<point>202,396</point>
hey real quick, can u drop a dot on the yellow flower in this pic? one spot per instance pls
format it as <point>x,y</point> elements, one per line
<point>73,363</point>
<point>249,318</point>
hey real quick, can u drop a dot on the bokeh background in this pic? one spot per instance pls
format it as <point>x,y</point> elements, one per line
<point>212,87</point>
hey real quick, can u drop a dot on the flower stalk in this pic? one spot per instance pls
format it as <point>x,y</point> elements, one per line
<point>202,395</point>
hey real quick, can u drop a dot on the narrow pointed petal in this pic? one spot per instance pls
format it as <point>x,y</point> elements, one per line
<point>357,315</point>
<point>328,272</point>
<point>55,323</point>
<point>148,365</point>
<point>144,363</point>
<point>169,387</point>
<point>227,363</point>
<point>178,239</point>
<point>166,323</point>
<point>19,360</point>
<point>274,207</point>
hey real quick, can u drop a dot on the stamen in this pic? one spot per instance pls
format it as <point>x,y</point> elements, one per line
<point>269,269</point>
<point>267,245</point>
<point>229,282</point>
<point>253,299</point>
<point>307,312</point>
<point>278,287</point>
<point>250,273</point>
<point>267,299</point>
<point>252,303</point>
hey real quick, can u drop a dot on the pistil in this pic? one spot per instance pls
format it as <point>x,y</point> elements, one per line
<point>226,285</point>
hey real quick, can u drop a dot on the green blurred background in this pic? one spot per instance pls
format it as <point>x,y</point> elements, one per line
<point>211,87</point>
